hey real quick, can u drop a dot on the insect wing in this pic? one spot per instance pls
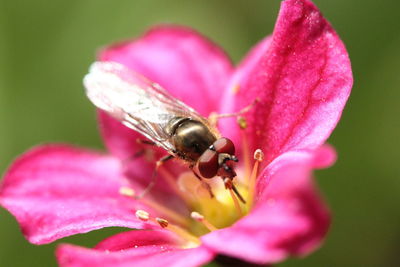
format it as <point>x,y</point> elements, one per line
<point>135,101</point>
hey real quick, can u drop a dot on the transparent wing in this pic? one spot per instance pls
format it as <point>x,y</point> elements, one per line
<point>135,101</point>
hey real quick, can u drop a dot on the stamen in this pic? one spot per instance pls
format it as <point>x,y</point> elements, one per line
<point>213,118</point>
<point>142,215</point>
<point>245,145</point>
<point>129,192</point>
<point>167,212</point>
<point>145,216</point>
<point>200,218</point>
<point>258,157</point>
<point>178,230</point>
<point>228,185</point>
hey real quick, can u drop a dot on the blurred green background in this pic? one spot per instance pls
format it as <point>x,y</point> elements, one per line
<point>46,47</point>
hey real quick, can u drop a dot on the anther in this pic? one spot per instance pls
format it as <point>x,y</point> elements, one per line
<point>142,215</point>
<point>242,122</point>
<point>200,218</point>
<point>259,155</point>
<point>127,191</point>
<point>162,222</point>
<point>235,89</point>
<point>196,216</point>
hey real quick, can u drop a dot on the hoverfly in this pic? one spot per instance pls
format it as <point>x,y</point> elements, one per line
<point>145,107</point>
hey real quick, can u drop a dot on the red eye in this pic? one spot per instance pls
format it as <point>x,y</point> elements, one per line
<point>224,145</point>
<point>208,164</point>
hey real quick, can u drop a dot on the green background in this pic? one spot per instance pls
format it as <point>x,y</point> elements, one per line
<point>46,47</point>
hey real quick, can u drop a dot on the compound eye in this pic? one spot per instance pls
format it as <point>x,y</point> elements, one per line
<point>208,164</point>
<point>224,145</point>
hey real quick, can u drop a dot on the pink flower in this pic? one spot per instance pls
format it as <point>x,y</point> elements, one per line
<point>302,78</point>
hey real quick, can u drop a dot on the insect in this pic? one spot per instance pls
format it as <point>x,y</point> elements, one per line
<point>145,107</point>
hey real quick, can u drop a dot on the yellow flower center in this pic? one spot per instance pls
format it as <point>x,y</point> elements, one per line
<point>220,210</point>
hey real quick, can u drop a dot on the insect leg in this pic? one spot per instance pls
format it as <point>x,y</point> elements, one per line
<point>203,183</point>
<point>154,175</point>
<point>139,153</point>
<point>145,142</point>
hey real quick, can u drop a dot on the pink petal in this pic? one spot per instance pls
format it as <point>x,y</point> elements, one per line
<point>120,140</point>
<point>324,157</point>
<point>166,256</point>
<point>182,61</point>
<point>288,219</point>
<point>302,77</point>
<point>127,240</point>
<point>228,126</point>
<point>135,248</point>
<point>57,190</point>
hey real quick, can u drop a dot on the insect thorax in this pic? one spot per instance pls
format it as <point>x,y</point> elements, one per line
<point>190,137</point>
